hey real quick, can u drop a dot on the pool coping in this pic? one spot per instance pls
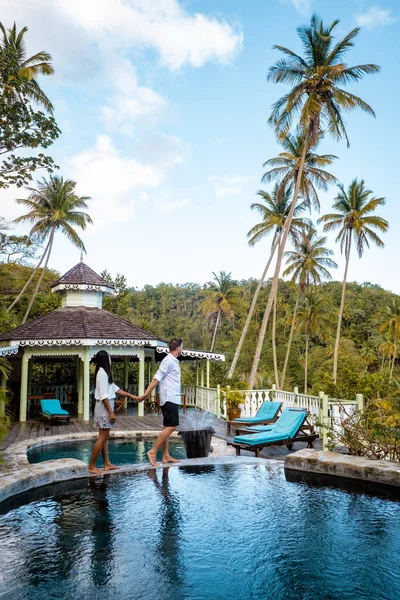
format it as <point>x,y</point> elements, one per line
<point>18,475</point>
<point>344,465</point>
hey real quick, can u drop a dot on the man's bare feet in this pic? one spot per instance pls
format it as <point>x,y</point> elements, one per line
<point>169,459</point>
<point>110,467</point>
<point>152,456</point>
<point>94,471</point>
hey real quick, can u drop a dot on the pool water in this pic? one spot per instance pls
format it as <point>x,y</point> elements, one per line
<point>214,533</point>
<point>121,452</point>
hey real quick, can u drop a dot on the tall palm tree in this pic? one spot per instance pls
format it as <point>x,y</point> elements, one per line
<point>273,210</point>
<point>221,298</point>
<point>317,101</point>
<point>392,327</point>
<point>308,264</point>
<point>355,220</point>
<point>19,80</point>
<point>313,317</point>
<point>53,206</point>
<point>286,168</point>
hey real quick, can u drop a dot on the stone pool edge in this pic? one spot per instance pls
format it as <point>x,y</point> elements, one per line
<point>18,475</point>
<point>344,465</point>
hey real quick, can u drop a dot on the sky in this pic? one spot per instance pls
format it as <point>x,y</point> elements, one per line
<point>163,107</point>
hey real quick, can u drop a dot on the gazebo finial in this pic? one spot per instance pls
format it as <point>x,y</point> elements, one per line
<point>81,255</point>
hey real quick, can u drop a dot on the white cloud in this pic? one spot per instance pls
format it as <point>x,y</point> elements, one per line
<point>227,186</point>
<point>167,206</point>
<point>302,6</point>
<point>114,182</point>
<point>375,17</point>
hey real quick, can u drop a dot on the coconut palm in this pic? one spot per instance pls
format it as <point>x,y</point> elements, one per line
<point>314,317</point>
<point>317,101</point>
<point>19,79</point>
<point>221,298</point>
<point>285,168</point>
<point>392,328</point>
<point>308,265</point>
<point>273,209</point>
<point>53,206</point>
<point>355,220</point>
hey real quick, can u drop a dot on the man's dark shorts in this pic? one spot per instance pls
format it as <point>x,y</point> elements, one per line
<point>170,412</point>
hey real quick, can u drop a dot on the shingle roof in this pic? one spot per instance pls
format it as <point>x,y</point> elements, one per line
<point>83,275</point>
<point>78,323</point>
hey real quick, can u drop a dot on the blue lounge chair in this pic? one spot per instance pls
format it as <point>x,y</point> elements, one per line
<point>267,413</point>
<point>289,428</point>
<point>51,409</point>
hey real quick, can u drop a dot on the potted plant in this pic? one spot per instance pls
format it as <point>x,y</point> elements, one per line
<point>234,397</point>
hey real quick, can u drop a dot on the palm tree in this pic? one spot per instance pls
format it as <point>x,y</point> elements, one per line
<point>273,210</point>
<point>221,298</point>
<point>317,100</point>
<point>314,317</point>
<point>308,265</point>
<point>355,220</point>
<point>53,207</point>
<point>19,80</point>
<point>285,168</point>
<point>392,327</point>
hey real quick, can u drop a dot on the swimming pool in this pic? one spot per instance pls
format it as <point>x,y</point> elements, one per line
<point>217,533</point>
<point>121,452</point>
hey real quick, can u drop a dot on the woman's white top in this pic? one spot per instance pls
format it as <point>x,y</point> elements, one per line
<point>104,389</point>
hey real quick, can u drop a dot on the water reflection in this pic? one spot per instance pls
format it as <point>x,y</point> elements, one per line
<point>168,547</point>
<point>103,553</point>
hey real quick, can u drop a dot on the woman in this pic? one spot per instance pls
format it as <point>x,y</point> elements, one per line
<point>104,416</point>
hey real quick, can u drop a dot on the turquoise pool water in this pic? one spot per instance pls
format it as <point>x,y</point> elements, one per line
<point>121,452</point>
<point>213,533</point>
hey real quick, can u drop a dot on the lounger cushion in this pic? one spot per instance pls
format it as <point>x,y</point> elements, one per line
<point>53,407</point>
<point>260,428</point>
<point>267,411</point>
<point>286,427</point>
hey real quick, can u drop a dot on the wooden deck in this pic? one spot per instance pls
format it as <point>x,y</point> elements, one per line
<point>35,429</point>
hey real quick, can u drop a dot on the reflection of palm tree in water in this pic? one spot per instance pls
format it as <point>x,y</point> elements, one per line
<point>168,550</point>
<point>102,560</point>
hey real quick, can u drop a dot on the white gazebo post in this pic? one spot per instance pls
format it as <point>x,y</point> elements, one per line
<point>126,375</point>
<point>24,388</point>
<point>86,385</point>
<point>141,382</point>
<point>197,382</point>
<point>208,382</point>
<point>80,387</point>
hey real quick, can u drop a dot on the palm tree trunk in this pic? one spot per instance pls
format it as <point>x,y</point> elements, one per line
<point>290,340</point>
<point>30,278</point>
<point>340,316</point>
<point>274,345</point>
<point>306,364</point>
<point>274,286</point>
<point>50,246</point>
<point>393,361</point>
<point>215,330</point>
<point>252,308</point>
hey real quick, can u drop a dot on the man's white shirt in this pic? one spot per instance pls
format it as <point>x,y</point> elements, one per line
<point>169,378</point>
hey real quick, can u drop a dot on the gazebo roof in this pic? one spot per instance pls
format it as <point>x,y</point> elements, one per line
<point>77,324</point>
<point>81,274</point>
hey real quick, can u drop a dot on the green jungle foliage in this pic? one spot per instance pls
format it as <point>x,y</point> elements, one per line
<point>365,358</point>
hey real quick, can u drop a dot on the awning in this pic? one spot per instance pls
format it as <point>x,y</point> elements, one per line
<point>191,354</point>
<point>8,350</point>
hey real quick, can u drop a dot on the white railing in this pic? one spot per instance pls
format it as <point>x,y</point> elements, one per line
<point>61,392</point>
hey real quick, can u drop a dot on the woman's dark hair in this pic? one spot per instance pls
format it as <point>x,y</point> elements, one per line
<point>102,361</point>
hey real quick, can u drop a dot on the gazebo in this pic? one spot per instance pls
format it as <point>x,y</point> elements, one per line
<point>78,330</point>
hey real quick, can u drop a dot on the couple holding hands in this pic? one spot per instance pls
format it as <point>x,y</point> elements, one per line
<point>168,377</point>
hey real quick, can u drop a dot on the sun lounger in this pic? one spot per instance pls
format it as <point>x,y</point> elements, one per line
<point>51,409</point>
<point>291,427</point>
<point>267,413</point>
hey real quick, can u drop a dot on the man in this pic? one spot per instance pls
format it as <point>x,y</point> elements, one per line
<point>168,377</point>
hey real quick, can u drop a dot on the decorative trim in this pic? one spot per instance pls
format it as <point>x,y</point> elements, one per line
<point>195,354</point>
<point>54,352</point>
<point>8,350</point>
<point>83,287</point>
<point>87,342</point>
